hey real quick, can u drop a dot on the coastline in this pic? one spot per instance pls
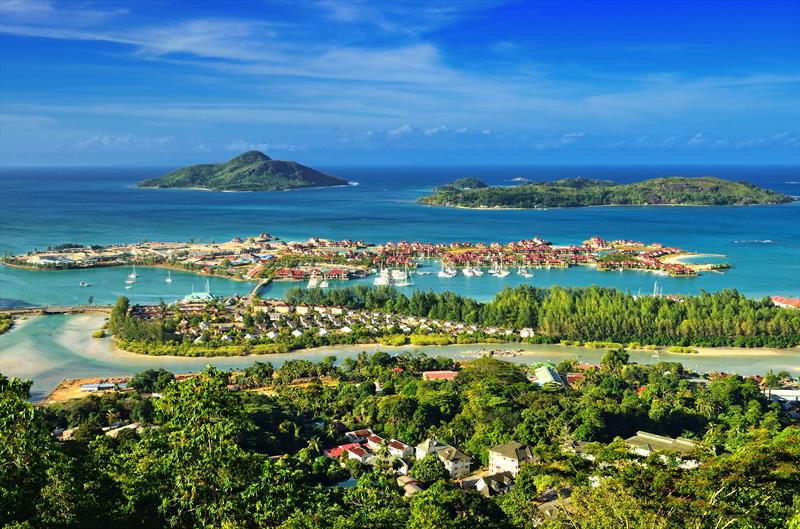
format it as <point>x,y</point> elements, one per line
<point>545,208</point>
<point>49,350</point>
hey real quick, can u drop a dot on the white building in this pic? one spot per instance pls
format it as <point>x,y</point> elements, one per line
<point>456,462</point>
<point>509,457</point>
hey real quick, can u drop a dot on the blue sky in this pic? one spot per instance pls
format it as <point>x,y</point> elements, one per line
<point>154,82</point>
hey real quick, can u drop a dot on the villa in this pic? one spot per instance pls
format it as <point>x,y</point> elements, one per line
<point>509,457</point>
<point>456,462</point>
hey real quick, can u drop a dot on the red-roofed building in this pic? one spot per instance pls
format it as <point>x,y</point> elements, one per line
<point>336,452</point>
<point>358,452</point>
<point>572,378</point>
<point>400,449</point>
<point>785,303</point>
<point>358,436</point>
<point>439,375</point>
<point>374,442</point>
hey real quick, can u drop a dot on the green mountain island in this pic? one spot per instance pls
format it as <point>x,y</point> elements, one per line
<point>578,192</point>
<point>250,171</point>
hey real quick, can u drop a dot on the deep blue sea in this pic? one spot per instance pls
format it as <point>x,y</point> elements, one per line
<point>50,206</point>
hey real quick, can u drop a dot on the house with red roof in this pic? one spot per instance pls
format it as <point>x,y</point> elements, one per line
<point>785,303</point>
<point>439,375</point>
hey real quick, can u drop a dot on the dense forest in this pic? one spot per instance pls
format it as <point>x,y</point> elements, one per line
<point>725,318</point>
<point>206,456</point>
<point>577,192</point>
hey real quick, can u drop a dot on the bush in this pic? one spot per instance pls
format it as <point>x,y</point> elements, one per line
<point>682,350</point>
<point>101,333</point>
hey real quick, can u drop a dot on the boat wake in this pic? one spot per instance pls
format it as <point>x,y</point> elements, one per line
<point>755,241</point>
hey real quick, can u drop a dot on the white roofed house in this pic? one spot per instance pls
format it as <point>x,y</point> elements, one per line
<point>509,457</point>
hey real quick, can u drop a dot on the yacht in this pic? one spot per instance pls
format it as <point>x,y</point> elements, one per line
<point>314,282</point>
<point>399,275</point>
<point>522,271</point>
<point>130,281</point>
<point>404,280</point>
<point>494,270</point>
<point>85,284</point>
<point>169,276</point>
<point>468,271</point>
<point>384,278</point>
<point>133,275</point>
<point>502,272</point>
<point>324,284</point>
<point>477,272</point>
<point>446,273</point>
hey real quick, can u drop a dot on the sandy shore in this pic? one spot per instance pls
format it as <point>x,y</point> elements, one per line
<point>680,258</point>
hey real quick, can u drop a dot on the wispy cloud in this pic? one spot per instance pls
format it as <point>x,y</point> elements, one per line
<point>112,143</point>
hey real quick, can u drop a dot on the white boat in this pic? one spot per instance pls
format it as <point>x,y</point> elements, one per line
<point>169,276</point>
<point>522,271</point>
<point>468,271</point>
<point>85,284</point>
<point>128,287</point>
<point>405,280</point>
<point>384,278</point>
<point>130,281</point>
<point>425,273</point>
<point>446,273</point>
<point>324,284</point>
<point>477,272</point>
<point>502,273</point>
<point>133,275</point>
<point>399,275</point>
<point>314,281</point>
<point>494,270</point>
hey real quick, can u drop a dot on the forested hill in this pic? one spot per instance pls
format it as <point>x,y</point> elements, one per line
<point>251,171</point>
<point>577,192</point>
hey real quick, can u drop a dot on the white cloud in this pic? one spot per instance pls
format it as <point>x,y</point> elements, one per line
<point>112,143</point>
<point>243,145</point>
<point>401,130</point>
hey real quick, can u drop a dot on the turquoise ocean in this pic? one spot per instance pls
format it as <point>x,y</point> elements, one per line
<point>49,206</point>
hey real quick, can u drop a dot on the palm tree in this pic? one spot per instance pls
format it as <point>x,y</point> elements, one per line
<point>313,444</point>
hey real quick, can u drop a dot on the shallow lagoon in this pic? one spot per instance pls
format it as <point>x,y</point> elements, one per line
<point>48,349</point>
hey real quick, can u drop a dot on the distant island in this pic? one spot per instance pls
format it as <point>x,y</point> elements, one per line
<point>579,192</point>
<point>250,171</point>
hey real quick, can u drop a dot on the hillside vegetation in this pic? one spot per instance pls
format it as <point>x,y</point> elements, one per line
<point>577,192</point>
<point>251,171</point>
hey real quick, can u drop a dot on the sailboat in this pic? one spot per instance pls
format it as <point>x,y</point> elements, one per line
<point>522,271</point>
<point>169,276</point>
<point>502,271</point>
<point>384,278</point>
<point>446,273</point>
<point>405,280</point>
<point>133,275</point>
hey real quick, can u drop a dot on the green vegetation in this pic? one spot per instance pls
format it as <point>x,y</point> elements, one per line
<point>250,171</point>
<point>577,192</point>
<point>207,456</point>
<point>682,350</point>
<point>6,321</point>
<point>462,184</point>
<point>725,318</point>
<point>100,333</point>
